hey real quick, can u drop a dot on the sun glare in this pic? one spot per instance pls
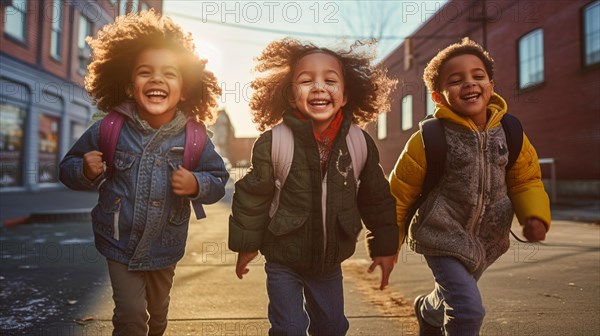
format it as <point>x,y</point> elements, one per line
<point>212,53</point>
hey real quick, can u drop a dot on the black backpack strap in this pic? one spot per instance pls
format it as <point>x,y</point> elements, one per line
<point>434,143</point>
<point>513,130</point>
<point>434,140</point>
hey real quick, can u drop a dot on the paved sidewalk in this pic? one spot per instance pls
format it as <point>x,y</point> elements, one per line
<point>53,282</point>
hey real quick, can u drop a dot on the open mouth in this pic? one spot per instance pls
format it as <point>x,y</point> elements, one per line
<point>319,103</point>
<point>156,95</point>
<point>471,97</point>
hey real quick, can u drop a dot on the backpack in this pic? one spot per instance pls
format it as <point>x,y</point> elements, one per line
<point>195,140</point>
<point>434,141</point>
<point>282,153</point>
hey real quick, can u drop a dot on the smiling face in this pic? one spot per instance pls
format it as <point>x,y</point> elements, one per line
<point>465,87</point>
<point>318,88</point>
<point>157,85</point>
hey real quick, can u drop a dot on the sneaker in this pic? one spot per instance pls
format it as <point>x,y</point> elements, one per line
<point>425,329</point>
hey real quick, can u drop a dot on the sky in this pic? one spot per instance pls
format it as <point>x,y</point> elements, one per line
<point>230,34</point>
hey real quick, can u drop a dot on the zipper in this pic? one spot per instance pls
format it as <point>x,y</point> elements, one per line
<point>482,137</point>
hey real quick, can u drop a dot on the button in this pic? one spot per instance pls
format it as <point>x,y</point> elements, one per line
<point>155,203</point>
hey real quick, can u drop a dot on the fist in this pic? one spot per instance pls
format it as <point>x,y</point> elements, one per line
<point>534,230</point>
<point>184,183</point>
<point>93,165</point>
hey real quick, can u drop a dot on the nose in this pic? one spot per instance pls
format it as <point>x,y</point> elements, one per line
<point>318,86</point>
<point>156,78</point>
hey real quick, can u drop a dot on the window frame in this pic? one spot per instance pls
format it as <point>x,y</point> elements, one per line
<point>56,30</point>
<point>382,126</point>
<point>19,176</point>
<point>23,12</point>
<point>584,35</point>
<point>83,51</point>
<point>405,116</point>
<point>531,59</point>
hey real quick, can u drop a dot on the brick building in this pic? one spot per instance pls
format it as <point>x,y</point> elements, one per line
<point>43,105</point>
<point>547,67</point>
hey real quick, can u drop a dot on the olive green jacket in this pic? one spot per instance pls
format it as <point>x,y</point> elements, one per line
<point>296,236</point>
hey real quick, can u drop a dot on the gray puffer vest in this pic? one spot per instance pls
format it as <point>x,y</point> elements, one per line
<point>468,215</point>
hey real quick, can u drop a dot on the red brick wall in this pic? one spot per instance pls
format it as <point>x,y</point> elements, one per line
<point>240,149</point>
<point>25,51</point>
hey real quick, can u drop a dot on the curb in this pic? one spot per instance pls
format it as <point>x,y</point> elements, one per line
<point>51,217</point>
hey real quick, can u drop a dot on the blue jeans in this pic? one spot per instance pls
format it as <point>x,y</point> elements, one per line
<point>455,302</point>
<point>299,303</point>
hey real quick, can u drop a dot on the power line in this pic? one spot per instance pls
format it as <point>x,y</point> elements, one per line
<point>278,31</point>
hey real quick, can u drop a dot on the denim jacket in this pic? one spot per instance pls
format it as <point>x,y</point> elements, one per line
<point>138,220</point>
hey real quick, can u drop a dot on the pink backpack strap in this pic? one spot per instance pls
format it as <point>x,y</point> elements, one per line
<point>195,140</point>
<point>110,128</point>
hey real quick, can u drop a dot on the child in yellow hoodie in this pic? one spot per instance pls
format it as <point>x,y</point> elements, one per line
<point>463,224</point>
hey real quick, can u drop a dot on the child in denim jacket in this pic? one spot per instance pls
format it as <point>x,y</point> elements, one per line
<point>145,68</point>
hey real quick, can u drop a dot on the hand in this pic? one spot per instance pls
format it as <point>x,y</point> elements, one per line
<point>534,230</point>
<point>184,183</point>
<point>387,265</point>
<point>93,165</point>
<point>242,261</point>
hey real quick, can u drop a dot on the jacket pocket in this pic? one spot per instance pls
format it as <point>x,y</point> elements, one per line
<point>106,214</point>
<point>180,213</point>
<point>123,161</point>
<point>285,221</point>
<point>175,232</point>
<point>350,223</point>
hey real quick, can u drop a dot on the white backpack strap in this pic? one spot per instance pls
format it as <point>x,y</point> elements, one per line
<point>282,153</point>
<point>357,146</point>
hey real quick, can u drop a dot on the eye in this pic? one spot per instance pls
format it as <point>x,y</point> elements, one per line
<point>331,81</point>
<point>171,74</point>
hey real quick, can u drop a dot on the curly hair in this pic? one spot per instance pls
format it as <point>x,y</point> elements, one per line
<point>118,44</point>
<point>431,75</point>
<point>367,86</point>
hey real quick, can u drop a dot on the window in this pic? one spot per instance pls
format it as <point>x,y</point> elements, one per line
<point>12,124</point>
<point>56,35</point>
<point>77,130</point>
<point>144,6</point>
<point>407,113</point>
<point>15,19</point>
<point>48,148</point>
<point>429,103</point>
<point>85,29</point>
<point>134,5</point>
<point>531,59</point>
<point>122,7</point>
<point>382,126</point>
<point>591,33</point>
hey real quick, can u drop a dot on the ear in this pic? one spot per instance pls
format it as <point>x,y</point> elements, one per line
<point>345,100</point>
<point>182,98</point>
<point>492,84</point>
<point>437,97</point>
<point>129,90</point>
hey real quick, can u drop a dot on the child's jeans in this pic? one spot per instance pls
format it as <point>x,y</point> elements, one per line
<point>298,302</point>
<point>455,302</point>
<point>141,299</point>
